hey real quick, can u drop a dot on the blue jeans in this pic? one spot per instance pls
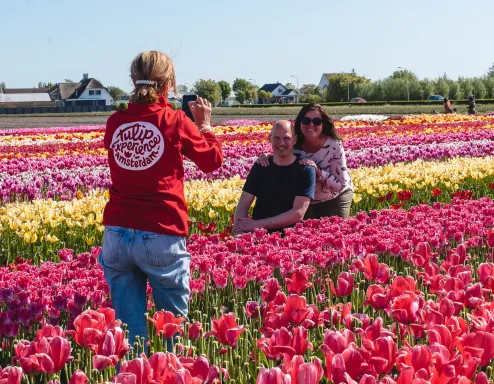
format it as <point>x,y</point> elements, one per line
<point>129,258</point>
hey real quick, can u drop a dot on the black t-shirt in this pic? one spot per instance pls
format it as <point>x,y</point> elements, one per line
<point>275,187</point>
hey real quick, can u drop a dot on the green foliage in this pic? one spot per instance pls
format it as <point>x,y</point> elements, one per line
<point>225,89</point>
<point>208,89</point>
<point>290,86</point>
<point>490,71</point>
<point>45,85</point>
<point>404,74</point>
<point>182,89</point>
<point>341,86</point>
<point>123,106</point>
<point>308,90</point>
<point>68,81</point>
<point>480,91</point>
<point>313,99</point>
<point>244,90</point>
<point>115,92</point>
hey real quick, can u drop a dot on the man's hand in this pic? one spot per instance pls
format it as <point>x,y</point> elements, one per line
<point>246,225</point>
<point>310,163</point>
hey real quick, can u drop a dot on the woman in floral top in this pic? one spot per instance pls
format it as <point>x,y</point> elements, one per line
<point>320,146</point>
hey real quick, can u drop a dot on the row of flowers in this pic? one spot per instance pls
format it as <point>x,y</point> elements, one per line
<point>391,296</point>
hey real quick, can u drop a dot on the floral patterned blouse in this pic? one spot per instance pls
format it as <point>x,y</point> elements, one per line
<point>335,178</point>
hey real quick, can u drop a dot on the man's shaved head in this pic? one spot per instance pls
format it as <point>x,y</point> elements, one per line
<point>282,138</point>
<point>285,124</point>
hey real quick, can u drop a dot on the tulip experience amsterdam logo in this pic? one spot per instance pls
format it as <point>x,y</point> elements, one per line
<point>137,146</point>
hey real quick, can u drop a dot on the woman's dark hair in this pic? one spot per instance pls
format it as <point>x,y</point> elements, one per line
<point>328,128</point>
<point>445,100</point>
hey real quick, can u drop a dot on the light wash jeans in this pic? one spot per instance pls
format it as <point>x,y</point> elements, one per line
<point>129,258</point>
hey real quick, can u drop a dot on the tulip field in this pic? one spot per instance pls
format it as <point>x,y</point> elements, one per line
<point>400,292</point>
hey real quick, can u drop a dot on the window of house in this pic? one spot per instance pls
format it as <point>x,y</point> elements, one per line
<point>91,93</point>
<point>98,92</point>
<point>280,90</point>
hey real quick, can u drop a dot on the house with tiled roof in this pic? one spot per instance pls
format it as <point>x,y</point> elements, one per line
<point>87,92</point>
<point>280,94</point>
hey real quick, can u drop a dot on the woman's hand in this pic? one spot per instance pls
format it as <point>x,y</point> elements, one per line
<point>310,163</point>
<point>201,110</point>
<point>264,159</point>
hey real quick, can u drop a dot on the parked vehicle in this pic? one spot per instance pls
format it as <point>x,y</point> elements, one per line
<point>358,100</point>
<point>435,97</point>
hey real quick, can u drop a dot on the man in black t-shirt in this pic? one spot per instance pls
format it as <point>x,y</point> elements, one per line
<point>283,190</point>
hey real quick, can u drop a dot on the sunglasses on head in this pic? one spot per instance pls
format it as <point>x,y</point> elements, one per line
<point>316,121</point>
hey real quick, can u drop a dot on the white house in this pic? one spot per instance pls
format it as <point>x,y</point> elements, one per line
<point>324,82</point>
<point>86,92</point>
<point>280,94</point>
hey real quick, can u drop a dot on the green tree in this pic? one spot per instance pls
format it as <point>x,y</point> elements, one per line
<point>454,91</point>
<point>115,92</point>
<point>466,86</point>
<point>490,71</point>
<point>313,99</point>
<point>244,90</point>
<point>342,86</point>
<point>225,89</point>
<point>404,74</point>
<point>480,90</point>
<point>489,85</point>
<point>208,89</point>
<point>182,89</point>
<point>45,85</point>
<point>427,87</point>
<point>290,86</point>
<point>308,89</point>
<point>68,81</point>
<point>442,86</point>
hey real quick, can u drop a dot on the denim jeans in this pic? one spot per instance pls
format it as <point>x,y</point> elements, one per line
<point>129,258</point>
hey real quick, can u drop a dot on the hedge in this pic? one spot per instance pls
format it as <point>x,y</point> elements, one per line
<point>369,103</point>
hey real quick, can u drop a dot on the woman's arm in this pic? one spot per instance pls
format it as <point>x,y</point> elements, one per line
<point>335,177</point>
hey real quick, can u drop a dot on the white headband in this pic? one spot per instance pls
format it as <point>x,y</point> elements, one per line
<point>149,82</point>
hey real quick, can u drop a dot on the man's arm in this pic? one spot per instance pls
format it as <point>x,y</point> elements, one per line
<point>242,211</point>
<point>288,218</point>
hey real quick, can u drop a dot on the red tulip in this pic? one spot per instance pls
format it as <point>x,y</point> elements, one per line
<point>166,323</point>
<point>486,275</point>
<point>404,308</point>
<point>126,378</point>
<point>272,376</point>
<point>383,354</point>
<point>164,367</point>
<point>367,379</point>
<point>52,356</point>
<point>477,344</point>
<point>199,368</point>
<point>345,285</point>
<point>482,378</point>
<point>337,341</point>
<point>418,357</point>
<point>140,367</point>
<point>378,297</point>
<point>278,344</point>
<point>296,310</point>
<point>195,331</point>
<point>270,290</point>
<point>304,373</point>
<point>226,330</point>
<point>78,377</point>
<point>11,375</point>
<point>89,327</point>
<point>490,237</point>
<point>422,254</point>
<point>372,269</point>
<point>299,282</point>
<point>402,284</point>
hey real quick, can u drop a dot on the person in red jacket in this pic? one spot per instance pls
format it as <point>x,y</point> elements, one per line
<point>146,220</point>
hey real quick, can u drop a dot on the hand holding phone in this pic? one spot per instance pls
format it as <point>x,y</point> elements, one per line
<point>201,111</point>
<point>186,99</point>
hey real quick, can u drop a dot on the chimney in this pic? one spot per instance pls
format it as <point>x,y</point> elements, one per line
<point>85,76</point>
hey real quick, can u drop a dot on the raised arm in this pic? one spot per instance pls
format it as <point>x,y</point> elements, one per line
<point>199,144</point>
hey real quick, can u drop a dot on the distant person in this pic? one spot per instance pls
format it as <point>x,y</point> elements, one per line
<point>447,106</point>
<point>283,189</point>
<point>321,147</point>
<point>146,217</point>
<point>471,105</point>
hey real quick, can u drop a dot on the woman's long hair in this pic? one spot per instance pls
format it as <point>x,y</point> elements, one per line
<point>328,128</point>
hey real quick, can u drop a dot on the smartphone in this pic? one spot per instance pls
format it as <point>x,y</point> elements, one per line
<point>185,104</point>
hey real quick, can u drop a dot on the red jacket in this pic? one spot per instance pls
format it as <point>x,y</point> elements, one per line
<point>146,145</point>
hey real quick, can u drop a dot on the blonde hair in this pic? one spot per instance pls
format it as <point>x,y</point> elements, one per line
<point>152,66</point>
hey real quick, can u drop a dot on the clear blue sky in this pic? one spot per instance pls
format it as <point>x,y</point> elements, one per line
<point>265,40</point>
